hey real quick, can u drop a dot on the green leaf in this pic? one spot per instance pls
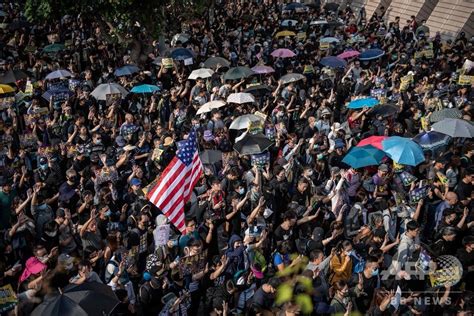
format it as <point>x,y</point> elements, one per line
<point>284,293</point>
<point>305,303</point>
<point>306,283</point>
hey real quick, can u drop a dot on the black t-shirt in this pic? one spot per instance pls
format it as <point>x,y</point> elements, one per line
<point>262,300</point>
<point>464,190</point>
<point>281,234</point>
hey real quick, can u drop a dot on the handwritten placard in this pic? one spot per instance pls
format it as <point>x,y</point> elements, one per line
<point>161,234</point>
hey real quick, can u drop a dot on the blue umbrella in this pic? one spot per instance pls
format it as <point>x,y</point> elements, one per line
<point>361,103</point>
<point>127,70</point>
<point>371,54</point>
<point>181,53</point>
<point>333,62</point>
<point>403,151</point>
<point>431,140</point>
<point>364,156</point>
<point>145,88</point>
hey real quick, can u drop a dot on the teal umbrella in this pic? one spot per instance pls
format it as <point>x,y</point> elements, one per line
<point>403,150</point>
<point>145,88</point>
<point>359,157</point>
<point>362,103</point>
<point>54,48</point>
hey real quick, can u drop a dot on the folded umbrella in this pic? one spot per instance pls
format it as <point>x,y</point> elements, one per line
<point>238,73</point>
<point>431,140</point>
<point>292,77</point>
<point>102,90</point>
<point>440,115</point>
<point>126,70</point>
<point>145,88</point>
<point>363,102</point>
<point>348,54</point>
<point>333,62</point>
<point>181,53</point>
<point>359,157</point>
<point>375,141</point>
<point>12,76</point>
<point>240,98</point>
<point>251,144</point>
<point>209,106</point>
<point>216,62</point>
<point>89,298</point>
<point>263,70</point>
<point>371,54</point>
<point>456,128</point>
<point>283,53</point>
<point>384,110</point>
<point>243,122</point>
<point>201,73</point>
<point>403,151</point>
<point>57,74</point>
<point>210,156</point>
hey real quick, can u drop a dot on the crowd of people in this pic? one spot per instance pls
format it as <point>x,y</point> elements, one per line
<point>75,168</point>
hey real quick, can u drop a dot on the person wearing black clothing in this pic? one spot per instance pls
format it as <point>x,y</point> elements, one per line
<point>370,281</point>
<point>264,297</point>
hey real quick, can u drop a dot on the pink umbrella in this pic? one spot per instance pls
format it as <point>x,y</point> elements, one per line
<point>349,54</point>
<point>283,53</point>
<point>263,70</point>
<point>375,141</point>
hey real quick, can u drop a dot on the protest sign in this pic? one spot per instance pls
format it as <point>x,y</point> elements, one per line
<point>161,234</point>
<point>110,99</point>
<point>8,299</point>
<point>192,264</point>
<point>324,45</point>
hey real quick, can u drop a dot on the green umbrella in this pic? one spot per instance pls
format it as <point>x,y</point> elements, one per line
<point>53,48</point>
<point>238,73</point>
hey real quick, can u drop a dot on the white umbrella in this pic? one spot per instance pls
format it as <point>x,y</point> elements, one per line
<point>61,73</point>
<point>201,73</point>
<point>455,128</point>
<point>318,22</point>
<point>240,98</point>
<point>102,90</point>
<point>209,106</point>
<point>287,22</point>
<point>181,37</point>
<point>242,122</point>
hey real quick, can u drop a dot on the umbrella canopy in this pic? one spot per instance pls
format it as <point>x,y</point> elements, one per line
<point>437,116</point>
<point>431,140</point>
<point>216,62</point>
<point>375,141</point>
<point>252,144</point>
<point>384,110</point>
<point>294,6</point>
<point>19,24</point>
<point>210,156</point>
<point>54,48</point>
<point>209,106</point>
<point>285,33</point>
<point>145,88</point>
<point>348,54</point>
<point>242,122</point>
<point>361,103</point>
<point>329,40</point>
<point>263,70</point>
<point>333,62</point>
<point>359,157</point>
<point>238,73</point>
<point>201,73</point>
<point>403,150</point>
<point>371,54</point>
<point>240,98</point>
<point>283,53</point>
<point>4,88</point>
<point>181,37</point>
<point>102,90</point>
<point>293,77</point>
<point>331,6</point>
<point>456,128</point>
<point>286,23</point>
<point>318,22</point>
<point>13,76</point>
<point>89,298</point>
<point>126,70</point>
<point>260,89</point>
<point>57,74</point>
<point>181,53</point>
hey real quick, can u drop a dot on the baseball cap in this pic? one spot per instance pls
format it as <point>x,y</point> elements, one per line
<point>135,181</point>
<point>383,167</point>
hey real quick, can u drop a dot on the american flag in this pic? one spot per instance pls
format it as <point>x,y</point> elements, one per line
<point>176,183</point>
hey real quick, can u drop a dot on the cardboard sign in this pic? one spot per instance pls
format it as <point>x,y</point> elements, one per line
<point>192,264</point>
<point>162,234</point>
<point>8,299</point>
<point>110,99</point>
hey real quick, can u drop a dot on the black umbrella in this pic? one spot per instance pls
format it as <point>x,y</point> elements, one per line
<point>210,156</point>
<point>440,115</point>
<point>252,144</point>
<point>332,6</point>
<point>19,24</point>
<point>238,73</point>
<point>12,76</point>
<point>90,298</point>
<point>384,110</point>
<point>213,62</point>
<point>260,89</point>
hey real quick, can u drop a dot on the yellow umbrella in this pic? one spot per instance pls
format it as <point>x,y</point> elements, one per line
<point>4,88</point>
<point>285,33</point>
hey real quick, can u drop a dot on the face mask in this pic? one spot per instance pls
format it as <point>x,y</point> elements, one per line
<point>43,258</point>
<point>43,167</point>
<point>310,173</point>
<point>375,272</point>
<point>97,142</point>
<point>241,191</point>
<point>108,213</point>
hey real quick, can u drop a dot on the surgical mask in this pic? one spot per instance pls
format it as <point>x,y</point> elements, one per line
<point>97,141</point>
<point>108,213</point>
<point>43,167</point>
<point>241,191</point>
<point>43,258</point>
<point>51,234</point>
<point>375,272</point>
<point>310,173</point>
